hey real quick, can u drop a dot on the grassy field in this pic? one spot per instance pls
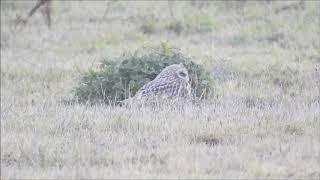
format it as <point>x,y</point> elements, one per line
<point>263,121</point>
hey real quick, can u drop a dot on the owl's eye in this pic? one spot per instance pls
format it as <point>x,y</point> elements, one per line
<point>182,74</point>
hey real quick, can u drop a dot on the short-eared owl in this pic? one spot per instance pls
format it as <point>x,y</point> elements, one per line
<point>172,81</point>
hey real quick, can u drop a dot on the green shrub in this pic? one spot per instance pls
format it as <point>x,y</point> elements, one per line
<point>120,78</point>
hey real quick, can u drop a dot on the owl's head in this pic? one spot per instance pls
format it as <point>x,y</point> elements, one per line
<point>176,71</point>
<point>182,72</point>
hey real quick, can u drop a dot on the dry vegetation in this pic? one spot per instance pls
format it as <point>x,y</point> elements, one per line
<point>263,121</point>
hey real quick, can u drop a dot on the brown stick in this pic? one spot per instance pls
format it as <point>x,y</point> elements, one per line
<point>46,12</point>
<point>40,3</point>
<point>300,4</point>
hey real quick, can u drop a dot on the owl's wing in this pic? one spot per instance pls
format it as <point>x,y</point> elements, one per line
<point>157,87</point>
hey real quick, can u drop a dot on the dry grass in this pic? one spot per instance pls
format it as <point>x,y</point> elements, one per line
<point>263,122</point>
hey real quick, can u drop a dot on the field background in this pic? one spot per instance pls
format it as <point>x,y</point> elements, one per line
<point>263,121</point>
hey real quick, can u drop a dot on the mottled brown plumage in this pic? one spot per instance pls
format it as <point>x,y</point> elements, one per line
<point>172,81</point>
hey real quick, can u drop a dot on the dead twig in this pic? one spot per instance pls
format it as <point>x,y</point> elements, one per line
<point>46,13</point>
<point>298,5</point>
